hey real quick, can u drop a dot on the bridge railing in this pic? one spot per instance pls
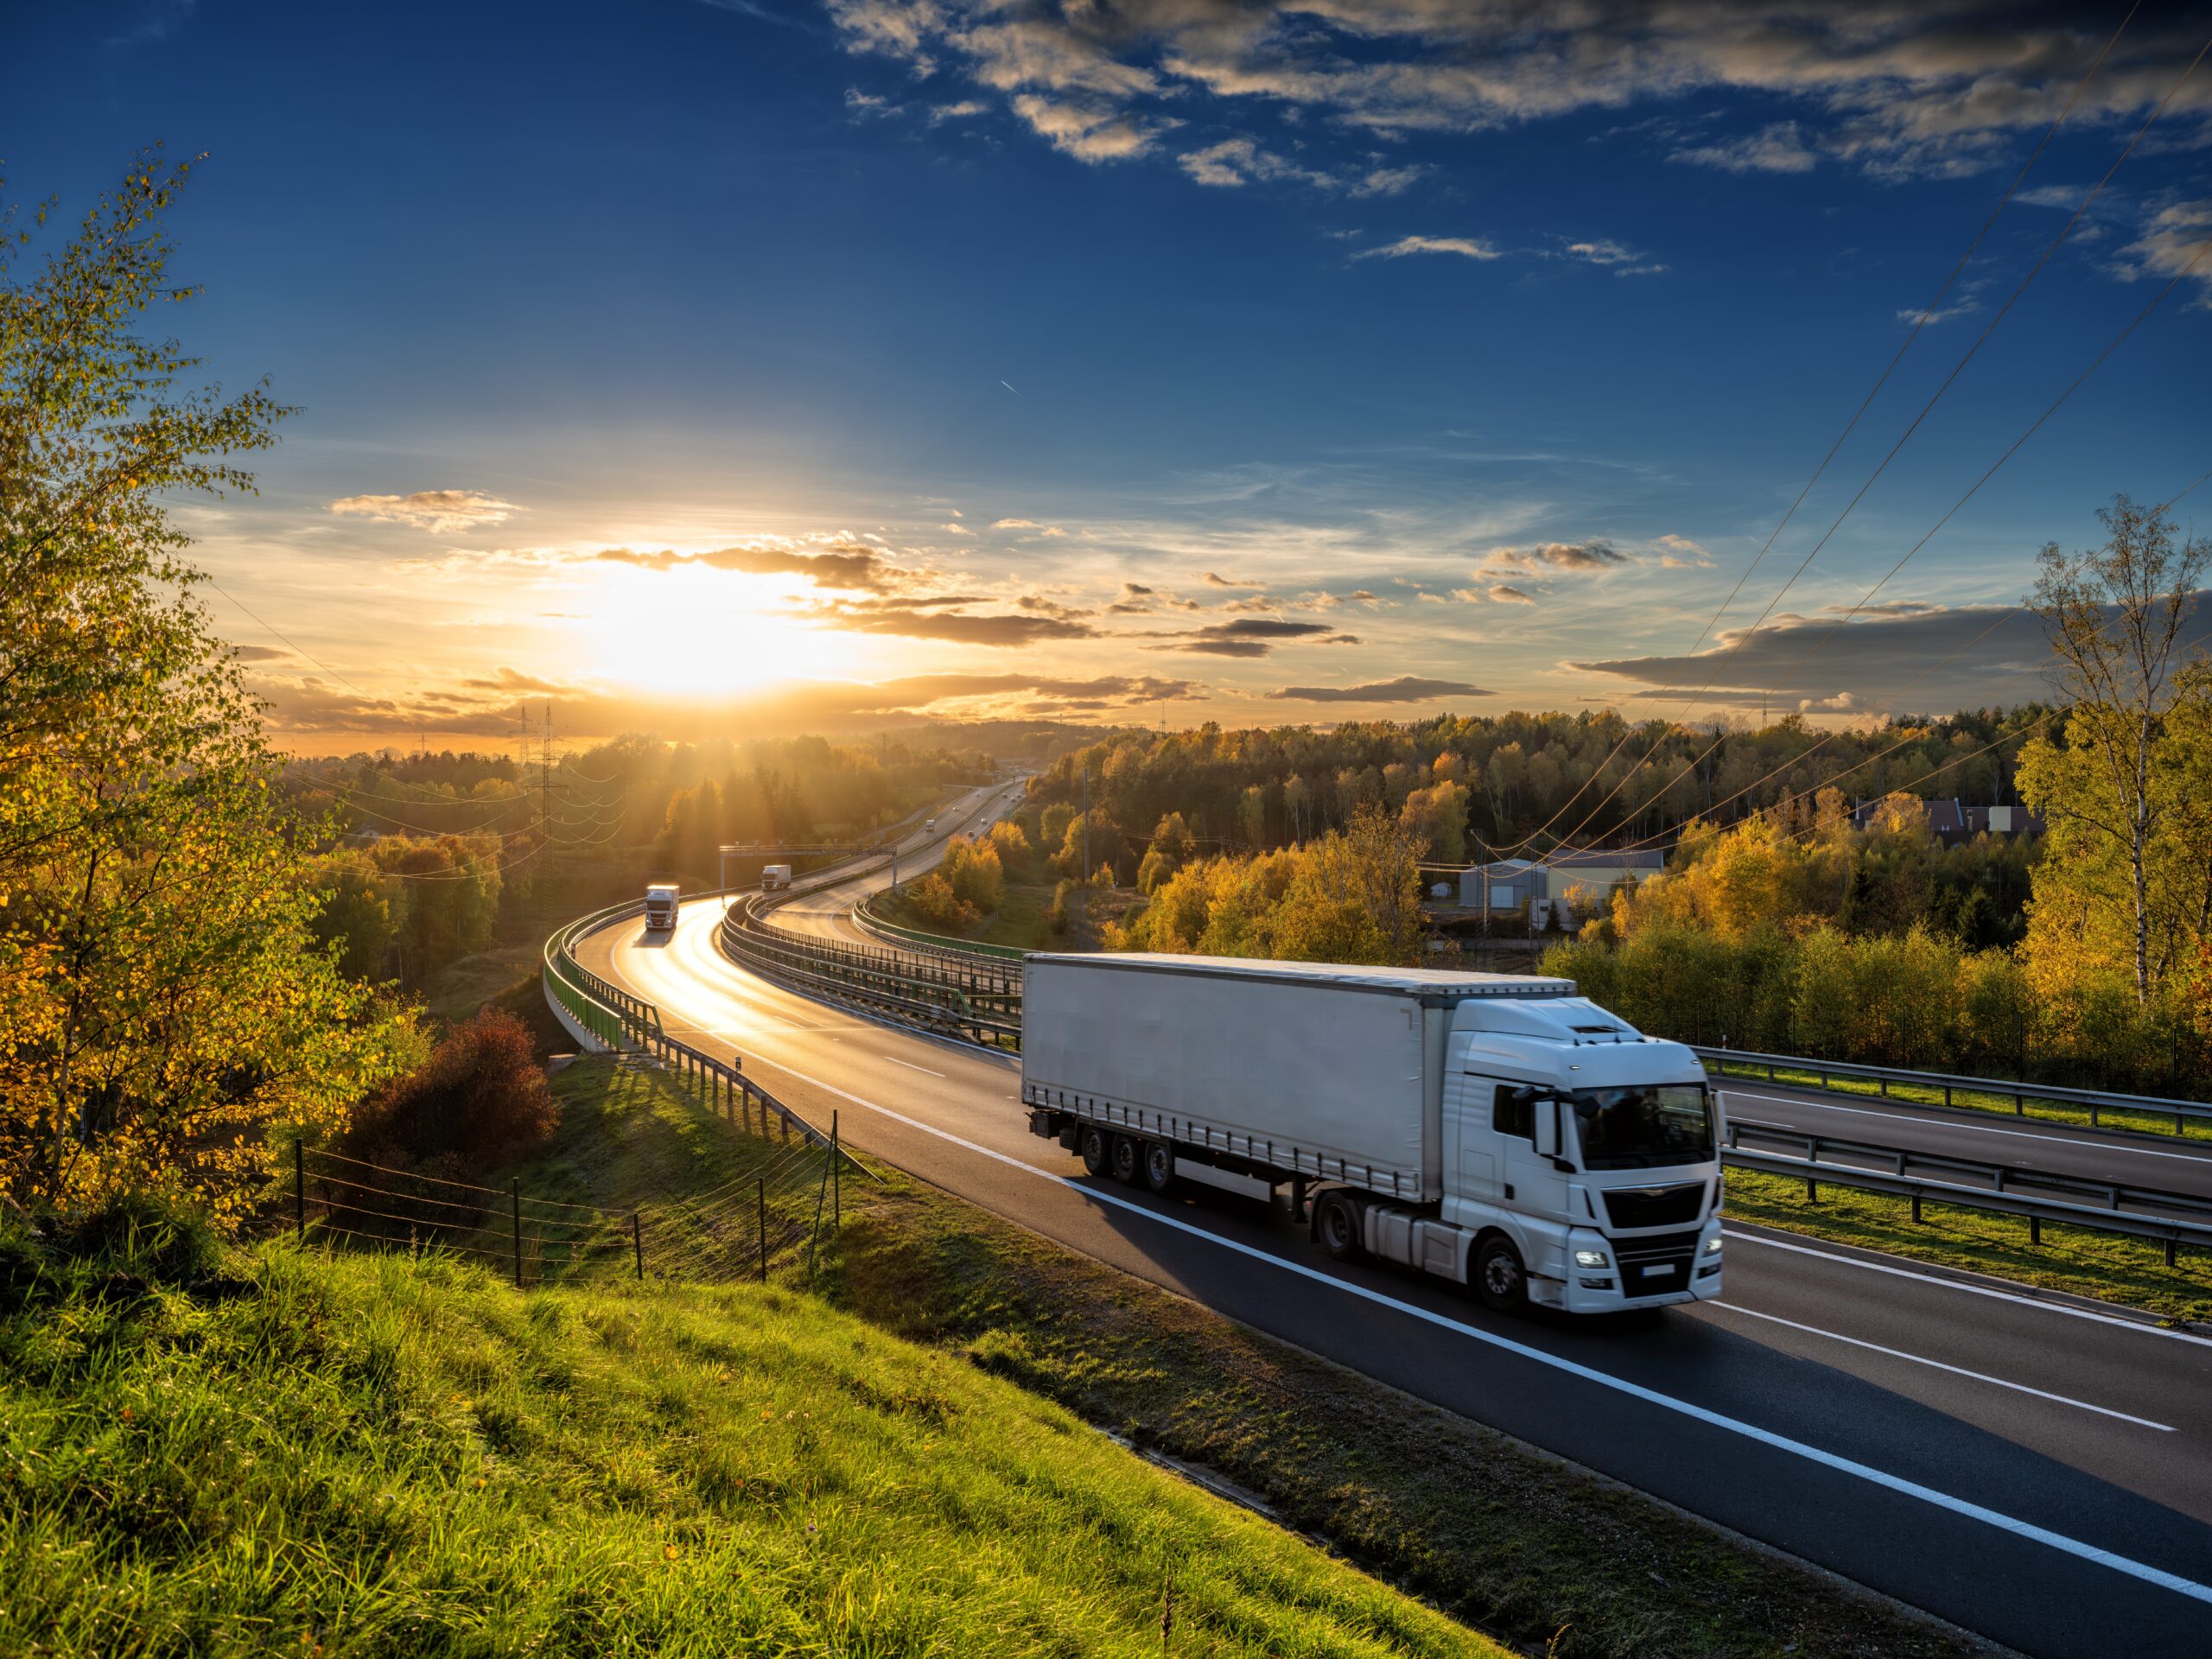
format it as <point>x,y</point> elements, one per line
<point>982,1005</point>
<point>1939,1088</point>
<point>871,921</point>
<point>605,1017</point>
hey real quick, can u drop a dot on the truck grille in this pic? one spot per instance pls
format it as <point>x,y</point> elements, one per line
<point>1660,1263</point>
<point>1654,1206</point>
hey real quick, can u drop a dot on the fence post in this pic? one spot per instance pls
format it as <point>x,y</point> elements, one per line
<point>837,1182</point>
<point>2035,1230</point>
<point>760,1196</point>
<point>637,1243</point>
<point>299,1192</point>
<point>517,1231</point>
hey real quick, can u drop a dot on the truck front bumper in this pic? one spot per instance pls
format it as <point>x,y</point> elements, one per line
<point>1608,1290</point>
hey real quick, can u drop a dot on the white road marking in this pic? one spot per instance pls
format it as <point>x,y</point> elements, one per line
<point>1993,1518</point>
<point>2091,1314</point>
<point>1913,1488</point>
<point>1979,1129</point>
<point>1957,1370</point>
<point>911,1067</point>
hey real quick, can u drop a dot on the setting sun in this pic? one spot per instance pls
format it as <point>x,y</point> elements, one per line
<point>702,631</point>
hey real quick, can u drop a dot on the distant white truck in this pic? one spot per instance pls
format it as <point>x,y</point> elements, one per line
<point>1497,1130</point>
<point>660,906</point>
<point>775,878</point>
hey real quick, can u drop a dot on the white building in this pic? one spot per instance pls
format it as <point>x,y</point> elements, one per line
<point>1531,887</point>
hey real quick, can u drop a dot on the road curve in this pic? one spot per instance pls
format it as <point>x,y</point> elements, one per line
<point>2035,1468</point>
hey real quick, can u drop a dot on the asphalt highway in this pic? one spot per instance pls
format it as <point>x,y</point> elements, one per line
<point>2032,1468</point>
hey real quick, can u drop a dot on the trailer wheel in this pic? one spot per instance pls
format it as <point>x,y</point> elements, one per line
<point>1500,1280</point>
<point>1095,1146</point>
<point>1160,1167</point>
<point>1128,1160</point>
<point>1337,1226</point>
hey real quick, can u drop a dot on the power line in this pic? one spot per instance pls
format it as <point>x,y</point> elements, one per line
<point>1800,759</point>
<point>2118,340</point>
<point>1926,315</point>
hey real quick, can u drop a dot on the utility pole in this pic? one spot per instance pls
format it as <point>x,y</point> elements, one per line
<point>1083,926</point>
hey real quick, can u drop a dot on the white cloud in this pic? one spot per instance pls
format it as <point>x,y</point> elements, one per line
<point>1680,553</point>
<point>1928,89</point>
<point>1088,133</point>
<point>433,510</point>
<point>1465,247</point>
<point>966,109</point>
<point>2178,239</point>
<point>1776,149</point>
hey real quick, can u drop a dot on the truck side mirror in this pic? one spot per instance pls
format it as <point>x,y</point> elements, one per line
<point>1548,1135</point>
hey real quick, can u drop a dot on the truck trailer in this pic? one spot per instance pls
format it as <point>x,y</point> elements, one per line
<point>1499,1130</point>
<point>660,906</point>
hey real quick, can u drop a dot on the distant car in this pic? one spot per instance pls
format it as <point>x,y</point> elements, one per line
<point>929,826</point>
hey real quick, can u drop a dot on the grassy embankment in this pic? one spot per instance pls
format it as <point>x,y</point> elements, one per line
<point>368,1455</point>
<point>1484,1527</point>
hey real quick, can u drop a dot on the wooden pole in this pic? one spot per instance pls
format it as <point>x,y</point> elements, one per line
<point>761,1196</point>
<point>637,1243</point>
<point>299,1192</point>
<point>517,1232</point>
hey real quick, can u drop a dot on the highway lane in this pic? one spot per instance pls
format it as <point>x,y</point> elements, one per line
<point>2135,1159</point>
<point>826,913</point>
<point>1896,1425</point>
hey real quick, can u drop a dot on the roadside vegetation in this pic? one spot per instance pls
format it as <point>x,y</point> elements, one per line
<point>219,1451</point>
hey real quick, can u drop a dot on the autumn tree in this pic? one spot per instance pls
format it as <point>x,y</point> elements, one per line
<point>165,1009</point>
<point>2132,750</point>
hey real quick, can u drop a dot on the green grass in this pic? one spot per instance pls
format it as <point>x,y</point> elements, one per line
<point>2044,1111</point>
<point>1494,1532</point>
<point>382,1456</point>
<point>2110,1267</point>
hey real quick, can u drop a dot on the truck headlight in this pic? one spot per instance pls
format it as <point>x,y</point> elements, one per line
<point>1713,1245</point>
<point>1592,1259</point>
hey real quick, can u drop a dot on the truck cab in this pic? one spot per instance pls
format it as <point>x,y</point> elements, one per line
<point>775,878</point>
<point>1588,1148</point>
<point>660,906</point>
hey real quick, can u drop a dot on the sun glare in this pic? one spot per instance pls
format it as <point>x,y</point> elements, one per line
<point>705,631</point>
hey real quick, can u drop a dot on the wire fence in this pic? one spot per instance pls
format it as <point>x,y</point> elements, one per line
<point>770,1214</point>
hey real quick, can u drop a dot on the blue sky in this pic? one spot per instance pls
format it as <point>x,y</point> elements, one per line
<point>684,363</point>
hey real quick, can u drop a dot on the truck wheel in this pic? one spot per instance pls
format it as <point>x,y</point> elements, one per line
<point>1094,1143</point>
<point>1160,1167</point>
<point>1337,1226</point>
<point>1128,1160</point>
<point>1500,1280</point>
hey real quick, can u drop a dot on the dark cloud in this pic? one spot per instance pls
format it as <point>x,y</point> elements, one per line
<point>916,620</point>
<point>258,654</point>
<point>1407,688</point>
<point>1253,636</point>
<point>1970,657</point>
<point>1557,556</point>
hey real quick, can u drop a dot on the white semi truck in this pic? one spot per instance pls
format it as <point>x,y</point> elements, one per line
<point>775,878</point>
<point>1497,1130</point>
<point>660,906</point>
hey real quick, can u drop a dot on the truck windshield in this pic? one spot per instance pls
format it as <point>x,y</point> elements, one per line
<point>1650,1123</point>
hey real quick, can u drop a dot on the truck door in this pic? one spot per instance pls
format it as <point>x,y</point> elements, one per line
<point>1529,1180</point>
<point>1473,1145</point>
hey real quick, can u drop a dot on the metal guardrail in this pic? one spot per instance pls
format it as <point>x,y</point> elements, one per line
<point>2016,1179</point>
<point>984,1007</point>
<point>937,944</point>
<point>2171,1231</point>
<point>622,1022</point>
<point>2095,1101</point>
